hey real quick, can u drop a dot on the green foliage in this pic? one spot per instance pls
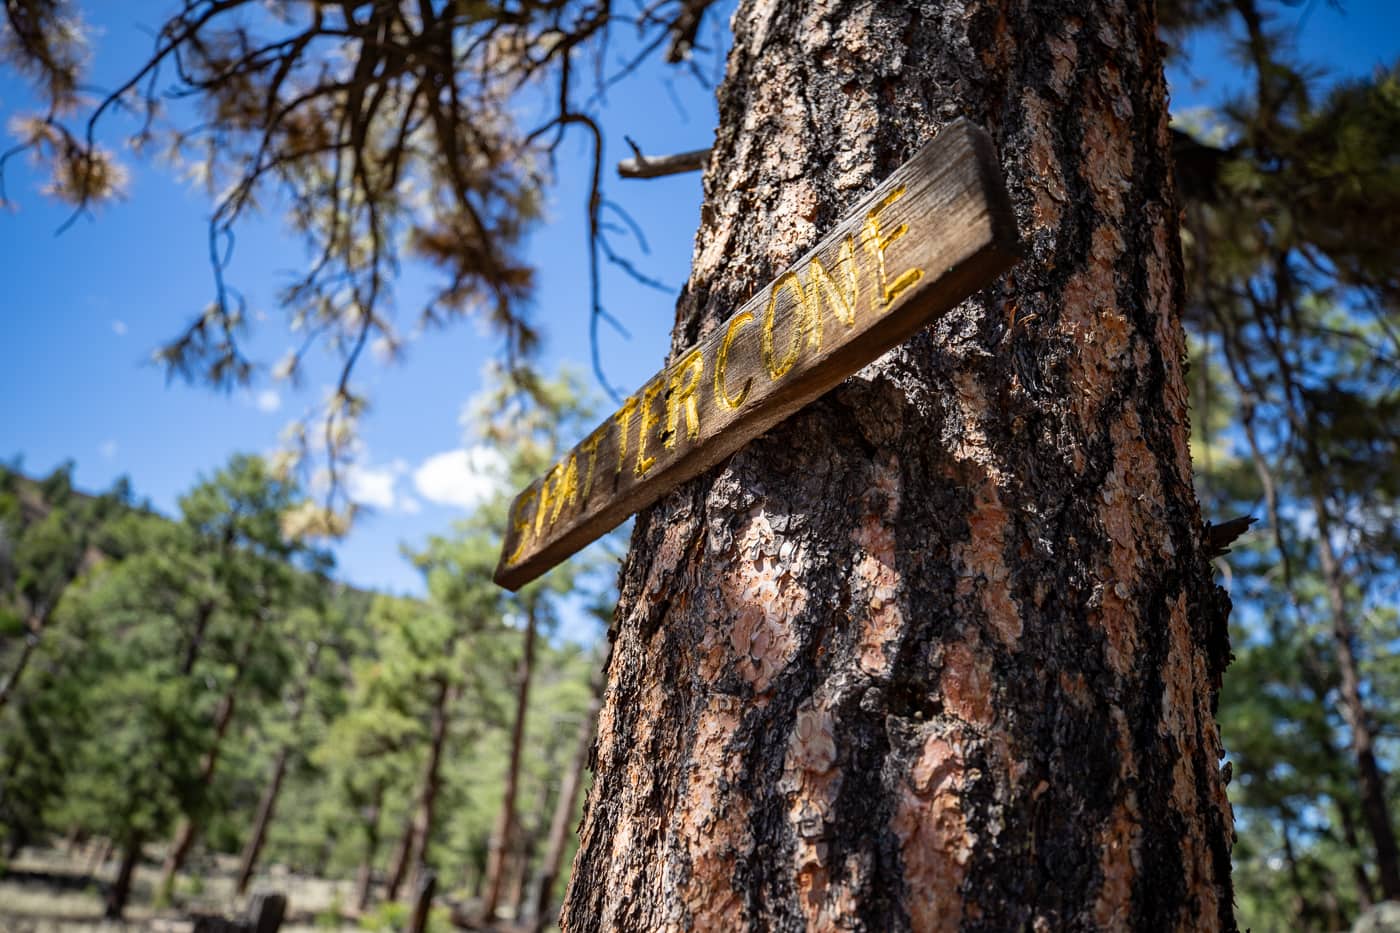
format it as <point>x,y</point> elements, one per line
<point>1292,256</point>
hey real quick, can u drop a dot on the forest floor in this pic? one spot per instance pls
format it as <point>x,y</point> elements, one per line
<point>47,891</point>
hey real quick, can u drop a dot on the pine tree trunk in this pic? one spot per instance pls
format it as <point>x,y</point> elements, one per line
<point>99,859</point>
<point>249,859</point>
<point>31,641</point>
<point>564,814</point>
<point>943,649</point>
<point>189,827</point>
<point>399,866</point>
<point>1374,810</point>
<point>505,820</point>
<point>120,891</point>
<point>1365,892</point>
<point>364,878</point>
<point>427,800</point>
<point>1315,673</point>
<point>268,804</point>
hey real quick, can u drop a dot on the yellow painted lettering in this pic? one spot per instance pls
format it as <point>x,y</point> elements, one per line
<point>778,368</point>
<point>522,525</point>
<point>551,477</point>
<point>682,397</point>
<point>568,494</point>
<point>645,423</point>
<point>840,294</point>
<point>623,417</point>
<point>722,395</point>
<point>878,242</point>
<point>591,446</point>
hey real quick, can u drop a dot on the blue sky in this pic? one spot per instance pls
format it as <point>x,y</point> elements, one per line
<point>81,311</point>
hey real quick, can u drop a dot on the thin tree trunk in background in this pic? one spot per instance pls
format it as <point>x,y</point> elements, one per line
<point>1371,779</point>
<point>103,851</point>
<point>1302,908</point>
<point>120,891</point>
<point>1365,890</point>
<point>522,851</point>
<point>561,824</point>
<point>943,649</point>
<point>365,876</point>
<point>196,645</point>
<point>268,803</point>
<point>189,827</point>
<point>1314,672</point>
<point>505,820</point>
<point>1374,809</point>
<point>31,641</point>
<point>427,799</point>
<point>399,867</point>
<point>248,861</point>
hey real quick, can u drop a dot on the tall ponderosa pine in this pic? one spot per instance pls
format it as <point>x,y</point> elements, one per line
<point>944,648</point>
<point>1292,263</point>
<point>235,520</point>
<point>48,533</point>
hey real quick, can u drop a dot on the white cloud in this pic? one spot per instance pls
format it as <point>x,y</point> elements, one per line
<point>119,328</point>
<point>374,486</point>
<point>463,478</point>
<point>409,505</point>
<point>108,449</point>
<point>268,401</point>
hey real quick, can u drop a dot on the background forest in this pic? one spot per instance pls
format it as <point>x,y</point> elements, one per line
<point>199,691</point>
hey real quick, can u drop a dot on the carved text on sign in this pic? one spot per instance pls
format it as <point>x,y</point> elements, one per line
<point>937,230</point>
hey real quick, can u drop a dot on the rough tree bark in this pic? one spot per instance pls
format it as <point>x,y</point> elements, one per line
<point>505,820</point>
<point>943,649</point>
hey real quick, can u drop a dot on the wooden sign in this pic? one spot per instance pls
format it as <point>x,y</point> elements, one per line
<point>937,230</point>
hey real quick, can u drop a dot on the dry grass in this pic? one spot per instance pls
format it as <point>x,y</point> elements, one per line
<point>46,891</point>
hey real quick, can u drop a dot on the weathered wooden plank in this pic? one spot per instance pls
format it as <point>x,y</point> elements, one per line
<point>936,231</point>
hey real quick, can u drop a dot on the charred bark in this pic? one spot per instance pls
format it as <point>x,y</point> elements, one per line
<point>943,650</point>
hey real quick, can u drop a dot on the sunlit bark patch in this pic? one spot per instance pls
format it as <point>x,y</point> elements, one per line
<point>761,596</point>
<point>713,828</point>
<point>876,580</point>
<point>1096,328</point>
<point>1047,184</point>
<point>935,844</point>
<point>1064,57</point>
<point>966,681</point>
<point>1108,158</point>
<point>981,559</point>
<point>812,782</point>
